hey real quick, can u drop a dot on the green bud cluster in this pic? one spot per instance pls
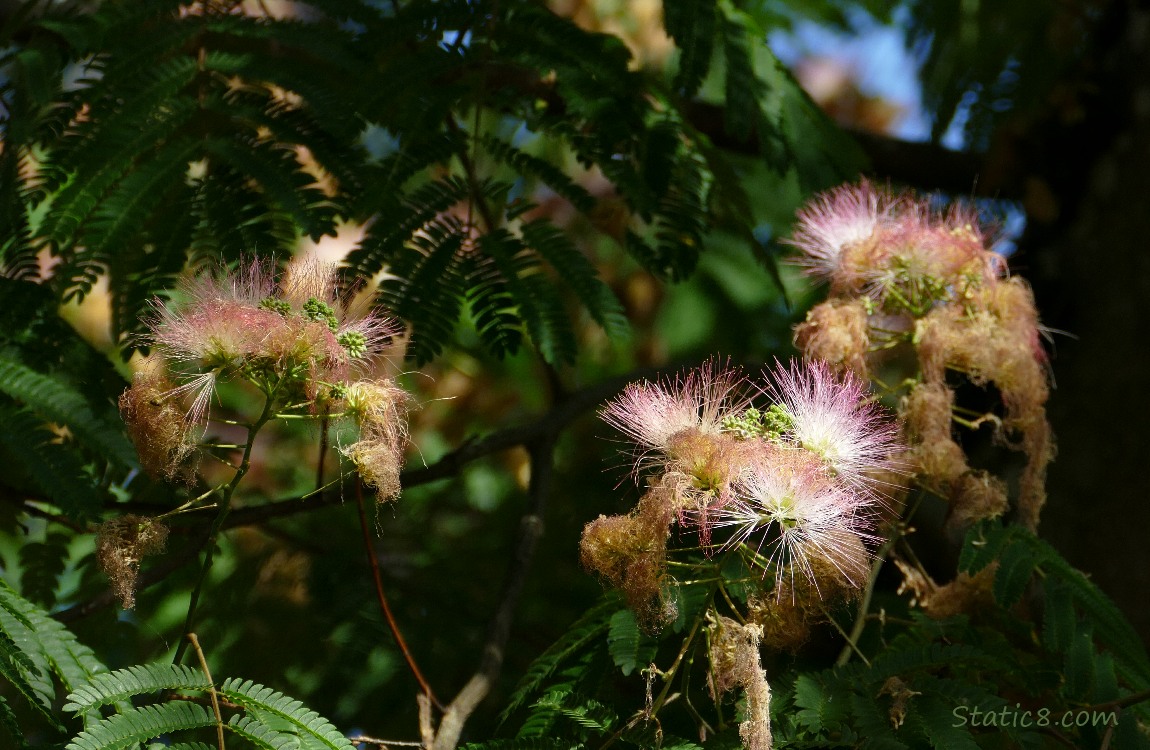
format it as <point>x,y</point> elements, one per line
<point>914,292</point>
<point>354,343</point>
<point>755,424</point>
<point>321,312</point>
<point>276,306</point>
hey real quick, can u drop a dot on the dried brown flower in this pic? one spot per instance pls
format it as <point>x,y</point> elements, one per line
<point>735,661</point>
<point>158,425</point>
<point>121,544</point>
<point>836,332</point>
<point>380,409</point>
<point>927,413</point>
<point>630,553</point>
<point>976,496</point>
<point>966,594</point>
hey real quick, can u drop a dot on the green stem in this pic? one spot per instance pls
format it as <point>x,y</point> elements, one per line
<point>864,605</point>
<point>670,673</point>
<point>652,713</point>
<point>225,506</point>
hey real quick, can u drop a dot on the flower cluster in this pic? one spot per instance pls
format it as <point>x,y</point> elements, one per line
<point>793,487</point>
<point>294,337</point>
<point>379,407</point>
<point>906,278</point>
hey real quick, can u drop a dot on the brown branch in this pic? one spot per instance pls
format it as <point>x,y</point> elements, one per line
<point>360,739</point>
<point>373,561</point>
<point>928,166</point>
<point>570,408</point>
<point>499,631</point>
<point>449,465</point>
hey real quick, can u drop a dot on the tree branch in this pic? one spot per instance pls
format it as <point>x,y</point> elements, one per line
<point>549,424</point>
<point>928,166</point>
<point>450,464</point>
<point>499,630</point>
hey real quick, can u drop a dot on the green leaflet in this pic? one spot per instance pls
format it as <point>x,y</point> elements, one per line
<point>141,679</point>
<point>187,153</point>
<point>41,565</point>
<point>304,722</point>
<point>269,719</point>
<point>125,730</point>
<point>48,648</point>
<point>584,631</point>
<point>628,647</point>
<point>692,24</point>
<point>1020,553</point>
<point>53,468</point>
<point>524,743</point>
<point>60,403</point>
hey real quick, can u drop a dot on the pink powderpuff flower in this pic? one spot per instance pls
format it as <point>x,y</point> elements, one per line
<point>802,521</point>
<point>836,221</point>
<point>651,414</point>
<point>832,417</point>
<point>244,322</point>
<point>209,331</point>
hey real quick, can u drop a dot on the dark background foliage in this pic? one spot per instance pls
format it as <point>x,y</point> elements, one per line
<point>556,212</point>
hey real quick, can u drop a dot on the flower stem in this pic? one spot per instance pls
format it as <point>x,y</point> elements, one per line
<point>225,505</point>
<point>852,638</point>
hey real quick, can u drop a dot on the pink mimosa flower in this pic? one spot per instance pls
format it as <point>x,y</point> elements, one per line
<point>243,323</point>
<point>801,521</point>
<point>832,417</point>
<point>836,221</point>
<point>651,414</point>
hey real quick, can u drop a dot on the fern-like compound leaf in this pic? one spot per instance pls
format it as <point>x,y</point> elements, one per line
<point>128,729</point>
<point>303,721</point>
<point>261,735</point>
<point>692,24</point>
<point>61,404</point>
<point>50,646</point>
<point>590,627</point>
<point>51,467</point>
<point>112,687</point>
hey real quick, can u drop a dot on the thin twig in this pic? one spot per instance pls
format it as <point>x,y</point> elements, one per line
<point>323,428</point>
<point>360,739</point>
<point>864,604</point>
<point>450,464</point>
<point>211,688</point>
<point>573,406</point>
<point>383,605</point>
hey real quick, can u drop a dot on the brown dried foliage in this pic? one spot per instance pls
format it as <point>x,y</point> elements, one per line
<point>380,408</point>
<point>976,496</point>
<point>966,594</point>
<point>735,662</point>
<point>927,413</point>
<point>630,553</point>
<point>121,544</point>
<point>158,426</point>
<point>995,340</point>
<point>786,621</point>
<point>837,332</point>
